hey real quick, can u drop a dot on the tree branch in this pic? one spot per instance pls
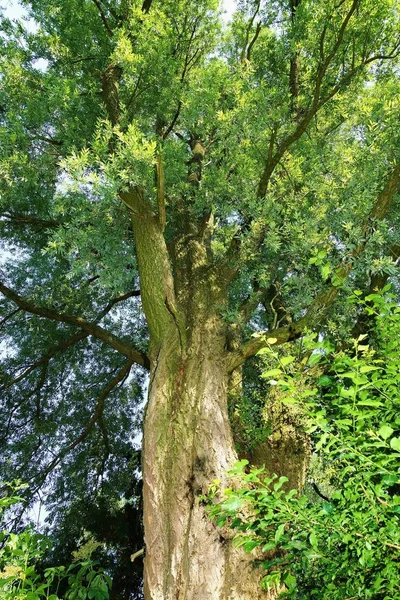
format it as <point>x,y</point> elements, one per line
<point>248,306</point>
<point>35,391</point>
<point>318,492</point>
<point>77,337</point>
<point>91,328</point>
<point>173,122</point>
<point>253,41</point>
<point>97,415</point>
<point>316,104</point>
<point>294,87</point>
<point>104,18</point>
<point>109,91</point>
<point>9,316</point>
<point>21,219</point>
<point>155,272</point>
<point>114,301</point>
<point>48,140</point>
<point>325,299</point>
<point>246,46</point>
<point>146,6</point>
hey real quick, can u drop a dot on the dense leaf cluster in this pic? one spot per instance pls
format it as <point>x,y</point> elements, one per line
<point>23,576</point>
<point>347,544</point>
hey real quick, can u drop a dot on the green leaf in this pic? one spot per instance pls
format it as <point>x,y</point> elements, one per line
<point>314,359</point>
<point>250,545</point>
<point>326,270</point>
<point>395,444</point>
<point>233,503</point>
<point>322,441</point>
<point>239,467</point>
<point>327,508</point>
<point>290,581</point>
<point>385,432</point>
<point>286,360</point>
<point>271,373</point>
<point>282,480</point>
<point>374,403</point>
<point>313,539</point>
<point>270,581</point>
<point>367,369</point>
<point>279,532</point>
<point>289,400</point>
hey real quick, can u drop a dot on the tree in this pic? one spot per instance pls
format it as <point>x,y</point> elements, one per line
<point>171,190</point>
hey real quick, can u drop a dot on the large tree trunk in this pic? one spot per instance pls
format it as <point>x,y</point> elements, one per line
<point>188,444</point>
<point>187,436</point>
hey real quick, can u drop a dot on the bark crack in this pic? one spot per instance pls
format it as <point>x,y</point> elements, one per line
<point>173,312</point>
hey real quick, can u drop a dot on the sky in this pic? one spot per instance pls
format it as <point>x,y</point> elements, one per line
<point>13,10</point>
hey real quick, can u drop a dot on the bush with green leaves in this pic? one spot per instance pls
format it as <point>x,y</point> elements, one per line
<point>21,577</point>
<point>345,545</point>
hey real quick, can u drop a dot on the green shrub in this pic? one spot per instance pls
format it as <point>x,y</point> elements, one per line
<point>22,579</point>
<point>347,545</point>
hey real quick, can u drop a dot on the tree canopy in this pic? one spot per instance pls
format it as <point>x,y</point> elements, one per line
<point>148,149</point>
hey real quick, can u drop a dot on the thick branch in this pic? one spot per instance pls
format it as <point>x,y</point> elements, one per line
<point>294,86</point>
<point>91,328</point>
<point>111,76</point>
<point>245,50</point>
<point>155,273</point>
<point>324,300</point>
<point>146,6</point>
<point>109,91</point>
<point>253,41</point>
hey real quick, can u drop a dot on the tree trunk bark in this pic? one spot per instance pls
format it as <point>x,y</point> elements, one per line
<point>188,444</point>
<point>287,450</point>
<point>187,435</point>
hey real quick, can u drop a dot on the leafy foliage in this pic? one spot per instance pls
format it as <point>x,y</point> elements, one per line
<point>23,578</point>
<point>348,544</point>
